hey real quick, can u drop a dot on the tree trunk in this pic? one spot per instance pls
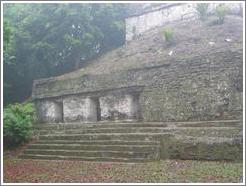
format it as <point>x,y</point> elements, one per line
<point>77,61</point>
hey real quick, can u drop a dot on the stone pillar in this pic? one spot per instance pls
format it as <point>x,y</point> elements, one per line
<point>90,110</point>
<point>79,109</point>
<point>133,110</point>
<point>49,111</point>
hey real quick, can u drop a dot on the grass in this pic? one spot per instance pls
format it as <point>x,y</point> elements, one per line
<point>168,35</point>
<point>51,171</point>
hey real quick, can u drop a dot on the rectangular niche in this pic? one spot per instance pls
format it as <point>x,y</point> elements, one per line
<point>119,107</point>
<point>79,109</point>
<point>49,111</point>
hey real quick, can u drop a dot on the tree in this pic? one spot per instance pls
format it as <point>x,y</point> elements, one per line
<point>7,58</point>
<point>52,39</point>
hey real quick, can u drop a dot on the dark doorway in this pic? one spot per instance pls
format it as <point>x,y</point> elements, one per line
<point>98,109</point>
<point>60,106</point>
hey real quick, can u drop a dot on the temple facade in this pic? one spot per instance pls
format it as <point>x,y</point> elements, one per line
<point>141,80</point>
<point>149,99</point>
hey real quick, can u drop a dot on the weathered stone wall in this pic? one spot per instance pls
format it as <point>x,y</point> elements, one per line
<point>206,87</point>
<point>200,81</point>
<point>77,108</point>
<point>137,25</point>
<point>49,111</point>
<point>118,107</point>
<point>202,89</point>
<point>116,104</point>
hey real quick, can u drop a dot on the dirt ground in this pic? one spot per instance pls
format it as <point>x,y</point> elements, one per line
<point>165,171</point>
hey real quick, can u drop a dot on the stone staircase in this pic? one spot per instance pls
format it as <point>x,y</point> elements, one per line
<point>119,141</point>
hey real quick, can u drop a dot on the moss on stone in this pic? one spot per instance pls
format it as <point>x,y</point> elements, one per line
<point>173,148</point>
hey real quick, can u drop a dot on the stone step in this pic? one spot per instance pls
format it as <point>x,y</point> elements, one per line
<point>102,147</point>
<point>80,158</point>
<point>134,142</point>
<point>69,126</point>
<point>189,130</point>
<point>86,153</point>
<point>209,140</point>
<point>142,134</point>
<point>202,148</point>
<point>227,132</point>
<point>219,123</point>
<point>62,126</point>
<point>107,136</point>
<point>108,130</point>
<point>98,142</point>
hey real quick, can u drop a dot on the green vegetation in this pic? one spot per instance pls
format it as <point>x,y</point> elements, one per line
<point>17,123</point>
<point>44,40</point>
<point>168,34</point>
<point>7,58</point>
<point>202,9</point>
<point>221,11</point>
<point>6,36</point>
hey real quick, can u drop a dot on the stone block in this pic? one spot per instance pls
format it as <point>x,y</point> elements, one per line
<point>173,148</point>
<point>49,111</point>
<point>79,109</point>
<point>118,107</point>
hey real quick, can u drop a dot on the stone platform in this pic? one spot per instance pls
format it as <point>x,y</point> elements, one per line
<point>138,141</point>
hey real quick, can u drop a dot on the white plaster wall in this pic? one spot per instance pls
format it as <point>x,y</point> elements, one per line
<point>90,110</point>
<point>233,8</point>
<point>150,20</point>
<point>77,109</point>
<point>116,107</point>
<point>49,111</point>
<point>157,18</point>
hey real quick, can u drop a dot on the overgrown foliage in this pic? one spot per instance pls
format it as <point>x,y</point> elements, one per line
<point>221,11</point>
<point>53,39</point>
<point>6,36</point>
<point>202,9</point>
<point>7,50</point>
<point>168,34</point>
<point>17,123</point>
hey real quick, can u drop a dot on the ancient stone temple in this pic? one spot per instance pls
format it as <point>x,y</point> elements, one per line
<point>180,100</point>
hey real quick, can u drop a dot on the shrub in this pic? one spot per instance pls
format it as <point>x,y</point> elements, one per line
<point>220,12</point>
<point>168,34</point>
<point>17,123</point>
<point>201,9</point>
